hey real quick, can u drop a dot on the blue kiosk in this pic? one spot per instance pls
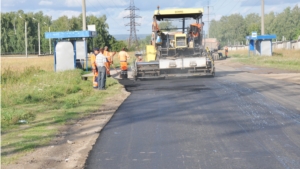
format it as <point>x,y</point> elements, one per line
<point>70,48</point>
<point>260,44</point>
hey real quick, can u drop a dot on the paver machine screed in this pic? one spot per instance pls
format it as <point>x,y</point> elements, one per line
<point>176,51</point>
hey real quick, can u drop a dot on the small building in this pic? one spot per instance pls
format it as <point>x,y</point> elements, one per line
<point>261,44</point>
<point>70,49</point>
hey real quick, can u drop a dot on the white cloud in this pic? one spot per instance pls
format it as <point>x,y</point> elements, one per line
<point>10,3</point>
<point>45,3</point>
<point>122,14</point>
<point>70,13</point>
<point>58,13</point>
<point>115,9</point>
<point>100,3</point>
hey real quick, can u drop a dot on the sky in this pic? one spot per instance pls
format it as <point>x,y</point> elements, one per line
<point>115,9</point>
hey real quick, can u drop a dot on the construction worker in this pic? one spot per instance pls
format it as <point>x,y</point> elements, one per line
<point>226,51</point>
<point>155,27</point>
<point>94,67</point>
<point>109,56</point>
<point>139,59</point>
<point>100,62</point>
<point>123,56</point>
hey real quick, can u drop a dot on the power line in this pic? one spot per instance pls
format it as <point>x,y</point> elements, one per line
<point>105,13</point>
<point>232,8</point>
<point>222,4</point>
<point>250,8</point>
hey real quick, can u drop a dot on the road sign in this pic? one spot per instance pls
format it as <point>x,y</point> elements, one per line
<point>254,35</point>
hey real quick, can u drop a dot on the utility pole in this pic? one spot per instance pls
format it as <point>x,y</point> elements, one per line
<point>49,42</point>
<point>83,15</point>
<point>49,38</point>
<point>262,17</point>
<point>208,21</point>
<point>84,28</point>
<point>39,38</point>
<point>26,39</point>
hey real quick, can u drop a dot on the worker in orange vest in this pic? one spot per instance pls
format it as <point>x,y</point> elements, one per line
<point>155,26</point>
<point>94,67</point>
<point>109,56</point>
<point>123,56</point>
<point>226,51</point>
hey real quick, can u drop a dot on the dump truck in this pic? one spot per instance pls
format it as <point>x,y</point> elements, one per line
<point>213,45</point>
<point>177,51</point>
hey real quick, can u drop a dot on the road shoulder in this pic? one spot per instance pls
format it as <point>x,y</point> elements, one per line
<point>71,146</point>
<point>272,73</point>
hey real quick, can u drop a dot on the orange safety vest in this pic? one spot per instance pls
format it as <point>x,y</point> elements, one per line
<point>155,26</point>
<point>123,56</point>
<point>95,73</point>
<point>107,54</point>
<point>93,61</point>
<point>195,33</point>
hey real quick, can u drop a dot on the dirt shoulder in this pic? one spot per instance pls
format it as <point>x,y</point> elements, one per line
<point>274,73</point>
<point>71,146</point>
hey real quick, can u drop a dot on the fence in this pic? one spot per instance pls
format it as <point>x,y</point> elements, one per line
<point>287,44</point>
<point>20,54</point>
<point>238,47</point>
<point>295,44</point>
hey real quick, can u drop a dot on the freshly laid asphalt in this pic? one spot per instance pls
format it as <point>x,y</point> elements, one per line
<point>235,120</point>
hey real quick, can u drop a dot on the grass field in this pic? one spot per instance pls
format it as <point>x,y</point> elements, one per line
<point>282,59</point>
<point>36,102</point>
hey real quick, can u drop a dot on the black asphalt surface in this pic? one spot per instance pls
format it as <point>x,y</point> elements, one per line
<point>232,121</point>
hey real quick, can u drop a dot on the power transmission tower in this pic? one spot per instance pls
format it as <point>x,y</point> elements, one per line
<point>132,37</point>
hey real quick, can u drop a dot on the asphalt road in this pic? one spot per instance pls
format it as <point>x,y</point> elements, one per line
<point>236,120</point>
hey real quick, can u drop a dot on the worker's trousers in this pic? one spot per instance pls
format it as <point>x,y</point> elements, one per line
<point>101,77</point>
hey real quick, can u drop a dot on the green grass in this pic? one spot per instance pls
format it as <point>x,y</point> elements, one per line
<point>45,100</point>
<point>281,59</point>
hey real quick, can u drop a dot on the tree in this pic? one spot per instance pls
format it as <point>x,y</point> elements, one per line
<point>13,31</point>
<point>270,26</point>
<point>166,25</point>
<point>235,27</point>
<point>252,23</point>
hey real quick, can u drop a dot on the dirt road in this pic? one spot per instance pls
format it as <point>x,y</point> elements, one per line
<point>238,119</point>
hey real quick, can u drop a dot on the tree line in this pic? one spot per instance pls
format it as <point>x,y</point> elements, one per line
<point>234,28</point>
<point>13,31</point>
